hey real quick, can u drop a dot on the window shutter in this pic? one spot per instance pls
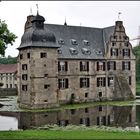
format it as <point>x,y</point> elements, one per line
<point>87,66</point>
<point>129,65</point>
<point>116,52</point>
<point>122,65</point>
<point>67,83</point>
<point>98,82</point>
<point>66,66</point>
<point>58,66</point>
<point>103,66</point>
<point>80,66</point>
<point>59,85</point>
<point>108,81</point>
<point>128,52</point>
<point>88,82</point>
<point>114,65</point>
<point>104,81</point>
<point>108,65</point>
<point>97,66</point>
<point>123,52</point>
<point>111,52</point>
<point>81,82</point>
<point>129,80</point>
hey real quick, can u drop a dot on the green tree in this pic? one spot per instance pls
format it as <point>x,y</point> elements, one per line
<point>136,51</point>
<point>6,37</point>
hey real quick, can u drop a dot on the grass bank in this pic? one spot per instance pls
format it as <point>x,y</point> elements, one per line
<point>82,105</point>
<point>67,134</point>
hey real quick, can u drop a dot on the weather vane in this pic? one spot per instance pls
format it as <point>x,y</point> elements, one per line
<point>37,8</point>
<point>119,15</point>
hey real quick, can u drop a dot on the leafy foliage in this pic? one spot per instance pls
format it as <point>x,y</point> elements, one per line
<point>6,37</point>
<point>10,60</point>
<point>136,51</point>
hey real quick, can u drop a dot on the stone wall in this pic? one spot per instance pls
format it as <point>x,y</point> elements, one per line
<point>8,92</point>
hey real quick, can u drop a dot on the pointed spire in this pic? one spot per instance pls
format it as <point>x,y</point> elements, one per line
<point>37,9</point>
<point>65,22</point>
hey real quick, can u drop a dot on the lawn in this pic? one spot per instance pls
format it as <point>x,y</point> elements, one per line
<point>67,134</point>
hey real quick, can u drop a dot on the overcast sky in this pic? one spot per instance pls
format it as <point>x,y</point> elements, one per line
<point>85,13</point>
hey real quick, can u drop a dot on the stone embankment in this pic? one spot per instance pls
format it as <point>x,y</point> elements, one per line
<point>8,91</point>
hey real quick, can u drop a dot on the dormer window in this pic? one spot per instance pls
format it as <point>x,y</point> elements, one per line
<point>73,51</point>
<point>61,41</point>
<point>99,52</point>
<point>74,42</point>
<point>59,51</point>
<point>86,51</point>
<point>86,42</point>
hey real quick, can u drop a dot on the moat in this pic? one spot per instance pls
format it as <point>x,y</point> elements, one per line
<point>12,118</point>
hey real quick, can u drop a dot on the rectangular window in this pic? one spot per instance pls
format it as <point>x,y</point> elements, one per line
<point>84,66</point>
<point>86,110</point>
<point>126,65</point>
<point>24,66</point>
<point>86,95</point>
<point>24,87</point>
<point>130,118</point>
<point>110,81</point>
<point>114,52</point>
<point>113,43</point>
<point>100,66</point>
<point>100,94</point>
<point>101,82</point>
<point>126,44</point>
<point>100,108</point>
<point>63,83</point>
<point>21,56</point>
<point>62,66</point>
<point>98,120</point>
<point>84,82</point>
<point>111,65</point>
<point>24,77</point>
<point>130,80</point>
<point>28,55</point>
<point>108,119</point>
<point>126,52</point>
<point>46,86</point>
<point>10,85</point>
<point>43,55</point>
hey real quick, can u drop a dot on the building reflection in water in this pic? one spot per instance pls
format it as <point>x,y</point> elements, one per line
<point>119,116</point>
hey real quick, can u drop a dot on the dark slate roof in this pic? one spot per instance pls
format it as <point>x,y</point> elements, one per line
<point>97,38</point>
<point>38,38</point>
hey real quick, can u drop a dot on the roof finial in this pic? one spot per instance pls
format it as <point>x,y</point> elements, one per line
<point>119,15</point>
<point>37,9</point>
<point>65,22</point>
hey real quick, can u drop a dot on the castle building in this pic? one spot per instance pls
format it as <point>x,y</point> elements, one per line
<point>59,64</point>
<point>8,76</point>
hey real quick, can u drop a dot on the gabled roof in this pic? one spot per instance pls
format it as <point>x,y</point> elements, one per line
<point>97,38</point>
<point>8,68</point>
